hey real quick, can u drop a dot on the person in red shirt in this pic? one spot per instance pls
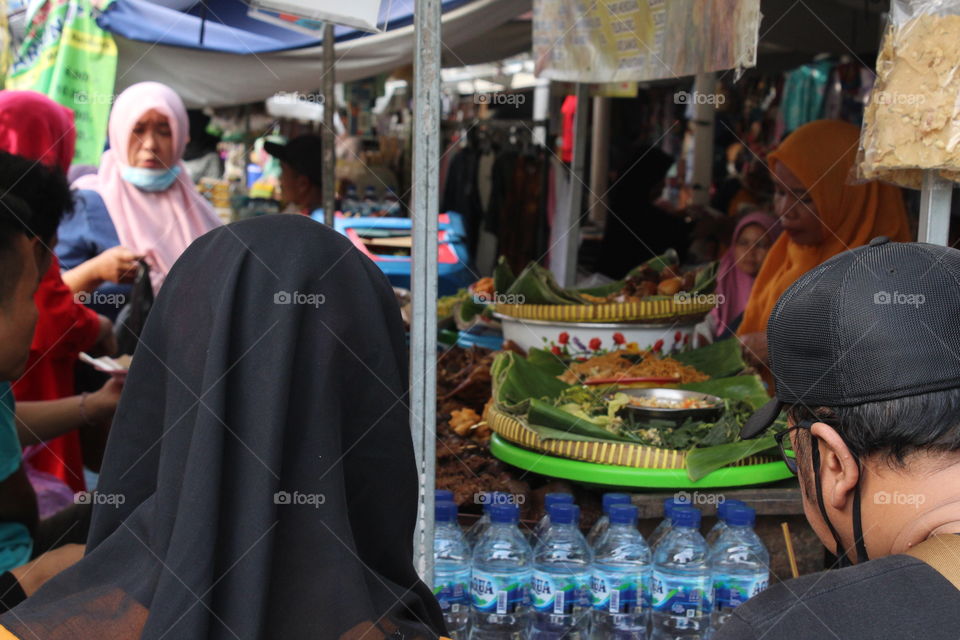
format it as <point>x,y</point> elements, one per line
<point>64,327</point>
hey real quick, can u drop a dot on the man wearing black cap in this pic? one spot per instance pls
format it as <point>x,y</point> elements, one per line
<point>301,172</point>
<point>865,350</point>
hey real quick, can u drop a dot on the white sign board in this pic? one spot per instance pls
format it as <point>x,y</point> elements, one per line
<point>359,14</point>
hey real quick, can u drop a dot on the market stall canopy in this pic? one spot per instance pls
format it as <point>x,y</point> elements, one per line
<point>224,25</point>
<point>244,60</point>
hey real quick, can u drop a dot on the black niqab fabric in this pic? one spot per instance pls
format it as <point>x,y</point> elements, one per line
<point>259,481</point>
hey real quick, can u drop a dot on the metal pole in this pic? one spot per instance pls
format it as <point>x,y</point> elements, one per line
<point>935,199</point>
<point>423,276</point>
<point>599,166</point>
<point>541,110</point>
<point>329,105</point>
<point>704,122</point>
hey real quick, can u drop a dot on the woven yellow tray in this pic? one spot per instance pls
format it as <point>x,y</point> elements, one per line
<point>610,312</point>
<point>612,453</point>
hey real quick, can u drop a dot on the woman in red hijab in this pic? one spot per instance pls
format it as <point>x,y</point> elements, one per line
<point>35,127</point>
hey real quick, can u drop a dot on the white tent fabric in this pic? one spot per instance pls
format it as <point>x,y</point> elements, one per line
<point>204,78</point>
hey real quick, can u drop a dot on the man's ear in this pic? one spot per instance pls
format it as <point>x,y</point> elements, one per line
<point>839,472</point>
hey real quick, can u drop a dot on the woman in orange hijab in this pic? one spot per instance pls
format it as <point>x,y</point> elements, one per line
<point>822,215</point>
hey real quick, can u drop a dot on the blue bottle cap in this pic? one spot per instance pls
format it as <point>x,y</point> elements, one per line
<point>610,499</point>
<point>669,504</point>
<point>726,504</point>
<point>445,511</point>
<point>495,497</point>
<point>564,513</point>
<point>685,517</point>
<point>504,513</point>
<point>556,498</point>
<point>738,516</point>
<point>623,514</point>
<point>443,495</point>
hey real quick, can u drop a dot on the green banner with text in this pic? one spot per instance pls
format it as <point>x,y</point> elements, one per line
<point>68,57</point>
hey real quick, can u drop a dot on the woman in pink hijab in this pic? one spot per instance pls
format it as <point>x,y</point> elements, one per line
<point>143,182</point>
<point>752,239</point>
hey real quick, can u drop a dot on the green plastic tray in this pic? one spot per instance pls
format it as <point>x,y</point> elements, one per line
<point>615,476</point>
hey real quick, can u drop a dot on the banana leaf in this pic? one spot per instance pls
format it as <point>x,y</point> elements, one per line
<point>548,433</point>
<point>706,279</point>
<point>603,290</point>
<point>516,382</point>
<point>669,258</point>
<point>547,361</point>
<point>503,276</point>
<point>747,389</point>
<point>468,309</point>
<point>536,285</point>
<point>545,414</point>
<point>718,360</point>
<point>703,461</point>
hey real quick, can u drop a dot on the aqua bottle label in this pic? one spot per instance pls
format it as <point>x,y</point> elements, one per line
<point>619,592</point>
<point>687,597</point>
<point>500,594</point>
<point>730,591</point>
<point>454,591</point>
<point>558,593</point>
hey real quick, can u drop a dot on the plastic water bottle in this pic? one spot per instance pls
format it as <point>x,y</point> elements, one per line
<point>350,204</point>
<point>481,525</point>
<point>721,525</point>
<point>559,588</point>
<point>451,570</point>
<point>369,206</point>
<point>548,500</point>
<point>681,590</point>
<point>620,584</point>
<point>665,524</point>
<point>391,204</point>
<point>600,526</point>
<point>443,495</point>
<point>739,563</point>
<point>502,562</point>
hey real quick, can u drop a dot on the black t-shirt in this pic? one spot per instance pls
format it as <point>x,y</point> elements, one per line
<point>892,598</point>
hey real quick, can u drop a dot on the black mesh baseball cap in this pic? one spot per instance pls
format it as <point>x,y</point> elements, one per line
<point>303,153</point>
<point>875,323</point>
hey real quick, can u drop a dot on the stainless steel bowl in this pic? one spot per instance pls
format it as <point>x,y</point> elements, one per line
<point>705,414</point>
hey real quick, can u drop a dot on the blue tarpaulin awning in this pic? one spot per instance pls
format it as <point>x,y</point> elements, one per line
<point>223,25</point>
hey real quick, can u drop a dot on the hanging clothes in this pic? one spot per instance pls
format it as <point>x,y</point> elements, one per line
<point>803,94</point>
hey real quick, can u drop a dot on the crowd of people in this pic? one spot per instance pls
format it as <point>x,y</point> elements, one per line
<point>234,399</point>
<point>184,533</point>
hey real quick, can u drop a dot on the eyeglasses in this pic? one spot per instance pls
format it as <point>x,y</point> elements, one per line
<point>790,458</point>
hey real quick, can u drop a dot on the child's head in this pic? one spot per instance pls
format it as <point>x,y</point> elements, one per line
<point>33,199</point>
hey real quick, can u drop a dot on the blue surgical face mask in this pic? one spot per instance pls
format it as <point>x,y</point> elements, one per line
<point>150,179</point>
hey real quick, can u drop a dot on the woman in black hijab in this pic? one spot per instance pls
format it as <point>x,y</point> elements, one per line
<point>259,480</point>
